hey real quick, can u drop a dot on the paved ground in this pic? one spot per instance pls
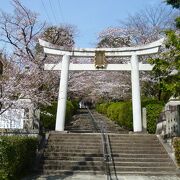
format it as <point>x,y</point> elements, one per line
<point>103,177</point>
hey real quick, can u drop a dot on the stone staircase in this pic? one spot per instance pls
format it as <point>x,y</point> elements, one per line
<point>82,122</point>
<point>70,153</point>
<point>140,154</point>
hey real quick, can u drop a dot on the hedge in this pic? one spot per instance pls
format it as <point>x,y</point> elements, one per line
<point>48,114</point>
<point>153,112</point>
<point>17,156</point>
<point>102,108</point>
<point>121,112</point>
<point>70,109</point>
<point>75,103</point>
<point>176,144</point>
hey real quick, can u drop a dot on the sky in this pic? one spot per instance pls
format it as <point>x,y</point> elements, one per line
<point>89,16</point>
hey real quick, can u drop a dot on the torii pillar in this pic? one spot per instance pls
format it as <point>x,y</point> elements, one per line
<point>62,96</point>
<point>136,97</point>
<point>134,66</point>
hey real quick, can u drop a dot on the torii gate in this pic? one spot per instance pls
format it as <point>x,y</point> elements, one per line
<point>134,66</point>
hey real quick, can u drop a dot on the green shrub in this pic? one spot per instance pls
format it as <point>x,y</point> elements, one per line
<point>75,103</point>
<point>113,111</point>
<point>103,108</point>
<point>176,144</point>
<point>153,113</point>
<point>69,111</point>
<point>17,156</point>
<point>48,114</point>
<point>121,112</point>
<point>153,109</point>
<point>127,116</point>
<point>98,108</point>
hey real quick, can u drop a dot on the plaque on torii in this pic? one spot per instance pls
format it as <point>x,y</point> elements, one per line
<point>100,59</point>
<point>100,64</point>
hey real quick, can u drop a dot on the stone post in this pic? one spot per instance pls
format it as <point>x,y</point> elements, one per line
<point>144,120</point>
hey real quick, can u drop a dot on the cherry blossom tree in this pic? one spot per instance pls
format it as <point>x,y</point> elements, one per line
<point>23,72</point>
<point>140,28</point>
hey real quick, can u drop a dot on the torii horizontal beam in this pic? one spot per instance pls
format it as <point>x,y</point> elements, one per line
<point>150,48</point>
<point>91,67</point>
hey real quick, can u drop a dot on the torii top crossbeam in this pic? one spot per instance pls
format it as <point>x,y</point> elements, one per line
<point>134,66</point>
<point>150,48</point>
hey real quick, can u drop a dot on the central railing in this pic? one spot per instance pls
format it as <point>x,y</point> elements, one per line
<point>106,147</point>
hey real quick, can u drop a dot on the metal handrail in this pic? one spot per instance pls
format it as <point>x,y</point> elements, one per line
<point>111,157</point>
<point>108,147</point>
<point>96,128</point>
<point>107,153</point>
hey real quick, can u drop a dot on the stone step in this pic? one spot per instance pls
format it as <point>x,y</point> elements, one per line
<point>169,164</point>
<point>63,173</point>
<point>113,145</point>
<point>96,151</point>
<point>125,155</point>
<point>84,141</point>
<point>84,147</point>
<point>75,137</point>
<point>134,145</point>
<point>69,172</point>
<point>80,130</point>
<point>73,158</point>
<point>98,135</point>
<point>160,169</point>
<point>134,138</point>
<point>98,167</point>
<point>147,173</point>
<point>68,134</point>
<point>74,168</point>
<point>114,135</point>
<point>72,163</point>
<point>61,134</point>
<point>61,163</point>
<point>133,135</point>
<point>69,146</point>
<point>117,159</point>
<point>60,154</point>
<point>99,150</point>
<point>115,155</point>
<point>74,141</point>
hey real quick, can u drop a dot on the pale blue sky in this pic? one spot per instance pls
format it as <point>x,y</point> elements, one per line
<point>90,16</point>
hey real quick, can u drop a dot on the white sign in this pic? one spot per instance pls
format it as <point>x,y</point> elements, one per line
<point>12,119</point>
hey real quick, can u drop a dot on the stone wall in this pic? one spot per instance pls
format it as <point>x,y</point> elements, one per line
<point>169,122</point>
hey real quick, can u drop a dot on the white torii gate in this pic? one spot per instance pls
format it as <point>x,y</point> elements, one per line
<point>134,66</point>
